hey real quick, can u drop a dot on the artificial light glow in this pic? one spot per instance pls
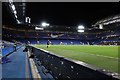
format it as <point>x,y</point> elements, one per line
<point>18,21</point>
<point>28,20</point>
<point>100,26</point>
<point>80,30</point>
<point>45,24</point>
<point>16,16</point>
<point>38,28</point>
<point>10,1</point>
<point>15,12</point>
<point>80,27</point>
<point>13,7</point>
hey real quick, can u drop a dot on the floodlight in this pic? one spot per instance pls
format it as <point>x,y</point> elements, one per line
<point>44,24</point>
<point>15,12</point>
<point>81,27</point>
<point>100,26</point>
<point>48,24</point>
<point>13,7</point>
<point>118,20</point>
<point>80,30</point>
<point>38,28</point>
<point>16,16</point>
<point>18,21</point>
<point>28,20</point>
<point>11,1</point>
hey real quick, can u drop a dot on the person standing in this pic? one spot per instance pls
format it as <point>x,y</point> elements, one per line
<point>48,43</point>
<point>15,45</point>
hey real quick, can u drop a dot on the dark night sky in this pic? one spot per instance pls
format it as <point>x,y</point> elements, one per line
<point>70,13</point>
<point>67,13</point>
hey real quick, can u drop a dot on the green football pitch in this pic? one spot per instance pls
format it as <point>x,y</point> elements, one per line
<point>103,57</point>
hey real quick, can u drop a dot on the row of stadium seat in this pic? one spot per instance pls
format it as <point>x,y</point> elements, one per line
<point>36,37</point>
<point>19,34</point>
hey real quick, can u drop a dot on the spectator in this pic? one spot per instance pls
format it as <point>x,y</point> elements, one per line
<point>15,45</point>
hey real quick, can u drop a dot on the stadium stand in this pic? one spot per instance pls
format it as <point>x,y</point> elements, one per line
<point>56,66</point>
<point>66,38</point>
<point>32,62</point>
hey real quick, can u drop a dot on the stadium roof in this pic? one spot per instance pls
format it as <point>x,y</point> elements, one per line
<point>109,20</point>
<point>62,13</point>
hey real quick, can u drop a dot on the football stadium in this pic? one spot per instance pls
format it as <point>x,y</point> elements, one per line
<point>57,41</point>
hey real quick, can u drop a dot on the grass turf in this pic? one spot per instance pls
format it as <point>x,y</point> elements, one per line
<point>105,57</point>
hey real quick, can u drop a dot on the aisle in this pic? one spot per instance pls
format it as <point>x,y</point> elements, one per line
<point>18,67</point>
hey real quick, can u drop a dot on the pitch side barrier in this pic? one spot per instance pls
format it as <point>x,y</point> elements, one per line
<point>62,68</point>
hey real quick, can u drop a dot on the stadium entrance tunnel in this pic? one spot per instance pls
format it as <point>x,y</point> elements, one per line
<point>62,68</point>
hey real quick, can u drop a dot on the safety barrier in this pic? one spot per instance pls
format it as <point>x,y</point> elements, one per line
<point>62,68</point>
